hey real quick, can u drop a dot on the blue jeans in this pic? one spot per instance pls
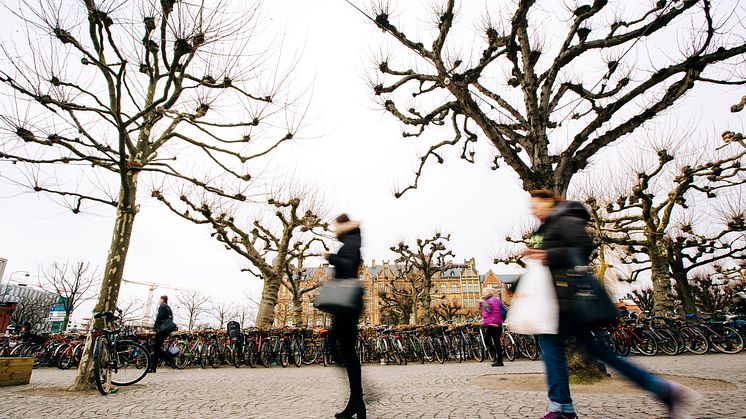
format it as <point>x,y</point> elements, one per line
<point>553,352</point>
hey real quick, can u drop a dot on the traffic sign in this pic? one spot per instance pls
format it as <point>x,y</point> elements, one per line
<point>57,307</point>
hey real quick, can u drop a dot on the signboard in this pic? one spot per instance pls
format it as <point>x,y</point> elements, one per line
<point>57,307</point>
<point>57,312</point>
<point>56,326</point>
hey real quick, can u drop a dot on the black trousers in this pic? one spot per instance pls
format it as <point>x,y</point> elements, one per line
<point>158,351</point>
<point>493,335</point>
<point>344,333</point>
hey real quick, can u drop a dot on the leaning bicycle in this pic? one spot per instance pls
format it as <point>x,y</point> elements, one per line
<point>116,362</point>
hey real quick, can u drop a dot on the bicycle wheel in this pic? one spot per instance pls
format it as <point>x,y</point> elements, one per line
<point>695,341</point>
<point>428,350</point>
<point>295,354</point>
<point>647,344</point>
<point>249,355</point>
<point>182,359</point>
<point>440,351</point>
<point>310,353</point>
<point>265,354</point>
<point>729,341</point>
<point>101,365</point>
<point>531,347</point>
<point>214,356</point>
<point>284,354</point>
<point>667,342</point>
<point>509,347</point>
<point>236,357</point>
<point>131,361</point>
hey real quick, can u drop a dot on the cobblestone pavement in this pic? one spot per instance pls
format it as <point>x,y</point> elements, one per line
<point>412,391</point>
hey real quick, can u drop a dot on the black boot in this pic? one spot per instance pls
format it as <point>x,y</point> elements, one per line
<point>356,406</point>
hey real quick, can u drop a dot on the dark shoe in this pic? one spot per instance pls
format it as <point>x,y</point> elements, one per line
<point>559,415</point>
<point>497,364</point>
<point>354,408</point>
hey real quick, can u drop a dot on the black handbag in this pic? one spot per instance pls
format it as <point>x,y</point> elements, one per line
<point>341,296</point>
<point>168,326</point>
<point>590,305</point>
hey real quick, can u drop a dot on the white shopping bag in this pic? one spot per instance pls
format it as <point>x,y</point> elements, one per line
<point>534,309</point>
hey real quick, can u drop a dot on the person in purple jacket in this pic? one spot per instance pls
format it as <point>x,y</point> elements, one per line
<point>492,320</point>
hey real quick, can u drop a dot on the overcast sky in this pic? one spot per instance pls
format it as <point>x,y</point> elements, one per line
<point>351,150</point>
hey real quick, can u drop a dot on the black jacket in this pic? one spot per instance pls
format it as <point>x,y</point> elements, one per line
<point>564,237</point>
<point>164,313</point>
<point>347,260</point>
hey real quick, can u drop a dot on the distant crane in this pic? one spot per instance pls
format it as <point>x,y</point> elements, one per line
<point>147,315</point>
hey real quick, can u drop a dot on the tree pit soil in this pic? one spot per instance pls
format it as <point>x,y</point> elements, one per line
<point>613,385</point>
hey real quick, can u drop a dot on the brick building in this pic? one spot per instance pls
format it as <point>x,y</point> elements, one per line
<point>460,285</point>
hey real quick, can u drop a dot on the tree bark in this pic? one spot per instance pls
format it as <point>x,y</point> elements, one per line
<point>426,285</point>
<point>298,311</point>
<point>107,299</point>
<point>661,279</point>
<point>679,274</point>
<point>266,315</point>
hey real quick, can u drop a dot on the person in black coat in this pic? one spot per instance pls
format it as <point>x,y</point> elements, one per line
<point>164,315</point>
<point>346,263</point>
<point>562,243</point>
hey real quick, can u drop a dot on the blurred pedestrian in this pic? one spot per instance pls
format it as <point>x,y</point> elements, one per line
<point>557,243</point>
<point>346,263</point>
<point>164,325</point>
<point>492,321</point>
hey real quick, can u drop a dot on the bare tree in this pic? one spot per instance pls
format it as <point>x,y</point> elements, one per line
<point>299,280</point>
<point>221,312</point>
<point>714,289</point>
<point>292,226</point>
<point>642,219</point>
<point>429,256</point>
<point>527,87</point>
<point>400,294</point>
<point>449,309</point>
<point>33,308</point>
<point>194,304</point>
<point>644,298</point>
<point>245,315</point>
<point>131,310</point>
<point>107,92</point>
<point>74,283</point>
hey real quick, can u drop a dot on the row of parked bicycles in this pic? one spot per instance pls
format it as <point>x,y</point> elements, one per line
<point>122,358</point>
<point>650,335</point>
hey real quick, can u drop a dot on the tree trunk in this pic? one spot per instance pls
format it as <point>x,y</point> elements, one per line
<point>298,311</point>
<point>65,322</point>
<point>107,299</point>
<point>661,279</point>
<point>266,315</point>
<point>426,316</point>
<point>583,370</point>
<point>683,288</point>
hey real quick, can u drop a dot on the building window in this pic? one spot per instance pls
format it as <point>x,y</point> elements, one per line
<point>463,288</point>
<point>454,288</point>
<point>443,288</point>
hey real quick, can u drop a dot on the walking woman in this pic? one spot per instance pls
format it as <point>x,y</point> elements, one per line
<point>559,242</point>
<point>344,327</point>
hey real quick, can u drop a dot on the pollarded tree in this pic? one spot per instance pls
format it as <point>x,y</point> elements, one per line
<point>400,293</point>
<point>549,84</point>
<point>299,280</point>
<point>714,289</point>
<point>640,221</point>
<point>221,312</point>
<point>429,257</point>
<point>104,94</point>
<point>292,223</point>
<point>644,298</point>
